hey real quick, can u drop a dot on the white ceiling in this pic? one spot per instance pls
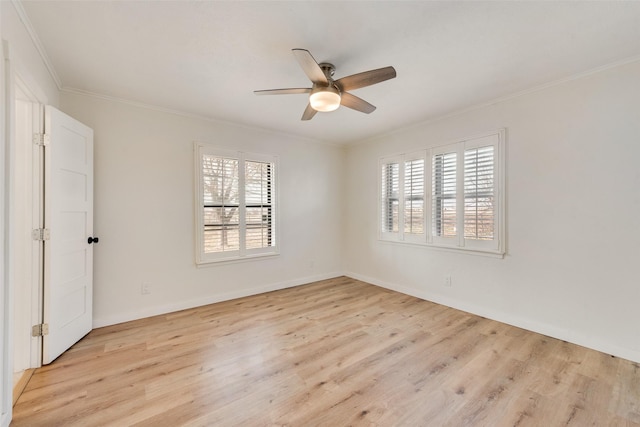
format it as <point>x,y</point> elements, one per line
<point>207,57</point>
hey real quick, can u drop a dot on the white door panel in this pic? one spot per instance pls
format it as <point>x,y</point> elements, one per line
<point>68,257</point>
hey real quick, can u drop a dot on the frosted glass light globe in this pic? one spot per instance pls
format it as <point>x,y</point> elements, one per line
<point>325,99</point>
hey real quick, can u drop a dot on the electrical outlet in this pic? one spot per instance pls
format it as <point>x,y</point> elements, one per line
<point>447,281</point>
<point>145,289</point>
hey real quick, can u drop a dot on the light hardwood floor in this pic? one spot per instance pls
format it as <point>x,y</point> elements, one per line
<point>334,353</point>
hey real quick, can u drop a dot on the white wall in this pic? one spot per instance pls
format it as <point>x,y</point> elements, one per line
<point>573,232</point>
<point>144,210</point>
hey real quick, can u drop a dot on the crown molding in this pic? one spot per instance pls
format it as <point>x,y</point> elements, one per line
<point>508,97</point>
<point>181,113</point>
<point>17,4</point>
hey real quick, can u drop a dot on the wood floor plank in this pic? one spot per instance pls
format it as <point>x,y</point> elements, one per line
<point>338,352</point>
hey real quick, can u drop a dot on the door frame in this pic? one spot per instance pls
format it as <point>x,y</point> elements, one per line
<point>6,344</point>
<point>29,298</point>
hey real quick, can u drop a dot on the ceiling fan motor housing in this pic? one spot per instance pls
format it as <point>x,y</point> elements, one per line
<point>328,70</point>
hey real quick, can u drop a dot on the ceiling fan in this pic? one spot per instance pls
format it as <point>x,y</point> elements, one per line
<point>328,94</point>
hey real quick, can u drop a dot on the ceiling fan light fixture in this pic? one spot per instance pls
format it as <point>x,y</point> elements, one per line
<point>328,94</point>
<point>325,99</point>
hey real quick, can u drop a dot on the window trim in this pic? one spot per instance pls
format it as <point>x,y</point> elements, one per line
<point>495,247</point>
<point>202,258</point>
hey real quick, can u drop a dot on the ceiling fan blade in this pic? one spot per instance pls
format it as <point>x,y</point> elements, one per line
<point>366,78</point>
<point>283,91</point>
<point>308,113</point>
<point>310,66</point>
<point>355,103</point>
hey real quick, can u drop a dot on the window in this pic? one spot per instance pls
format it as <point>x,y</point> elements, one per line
<point>479,193</point>
<point>390,196</point>
<point>402,187</point>
<point>403,195</point>
<point>452,195</point>
<point>235,205</point>
<point>443,194</point>
<point>414,196</point>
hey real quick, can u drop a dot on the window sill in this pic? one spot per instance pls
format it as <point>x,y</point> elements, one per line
<point>443,248</point>
<point>234,260</point>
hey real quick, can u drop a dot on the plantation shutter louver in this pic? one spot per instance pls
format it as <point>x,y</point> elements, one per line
<point>479,208</point>
<point>390,197</point>
<point>414,196</point>
<point>221,204</point>
<point>444,194</point>
<point>258,202</point>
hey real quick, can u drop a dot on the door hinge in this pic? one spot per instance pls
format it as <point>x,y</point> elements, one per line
<point>41,139</point>
<point>40,234</point>
<point>40,330</point>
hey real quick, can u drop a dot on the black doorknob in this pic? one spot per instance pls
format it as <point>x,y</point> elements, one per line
<point>91,240</point>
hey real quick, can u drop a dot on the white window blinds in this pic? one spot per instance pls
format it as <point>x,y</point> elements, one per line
<point>402,197</point>
<point>449,196</point>
<point>414,196</point>
<point>390,196</point>
<point>444,194</point>
<point>236,206</point>
<point>479,193</point>
<point>259,204</point>
<point>221,203</point>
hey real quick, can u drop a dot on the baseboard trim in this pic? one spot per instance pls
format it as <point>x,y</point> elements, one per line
<point>21,384</point>
<point>545,329</point>
<point>99,322</point>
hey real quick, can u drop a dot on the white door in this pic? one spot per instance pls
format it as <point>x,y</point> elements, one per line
<point>68,252</point>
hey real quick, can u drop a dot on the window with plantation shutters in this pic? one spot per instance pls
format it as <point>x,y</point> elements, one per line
<point>444,194</point>
<point>235,205</point>
<point>452,195</point>
<point>402,197</point>
<point>259,207</point>
<point>221,204</point>
<point>414,196</point>
<point>390,196</point>
<point>479,193</point>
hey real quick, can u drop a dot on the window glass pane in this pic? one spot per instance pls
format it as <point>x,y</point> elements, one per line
<point>220,180</point>
<point>444,195</point>
<point>220,204</point>
<point>390,197</point>
<point>479,193</point>
<point>259,206</point>
<point>221,229</point>
<point>414,196</point>
<point>258,231</point>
